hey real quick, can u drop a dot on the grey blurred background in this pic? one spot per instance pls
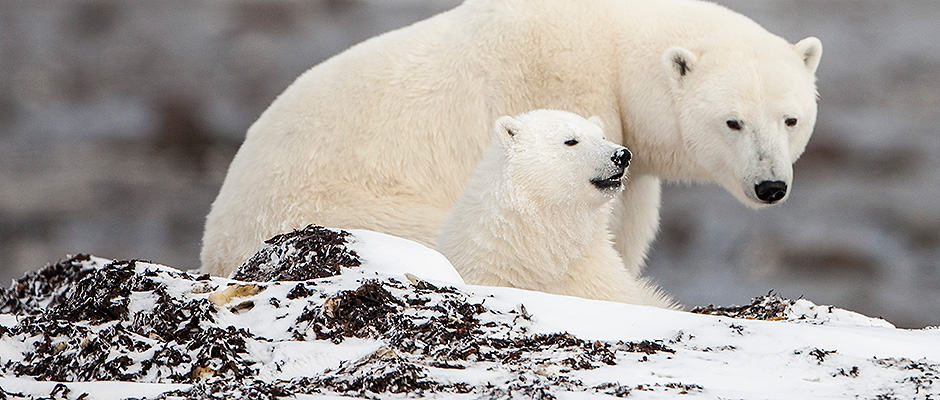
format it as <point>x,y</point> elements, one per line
<point>118,121</point>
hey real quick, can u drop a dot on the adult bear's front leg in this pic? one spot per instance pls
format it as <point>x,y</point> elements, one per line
<point>636,220</point>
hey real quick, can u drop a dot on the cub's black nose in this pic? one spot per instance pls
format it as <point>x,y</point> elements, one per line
<point>770,191</point>
<point>621,158</point>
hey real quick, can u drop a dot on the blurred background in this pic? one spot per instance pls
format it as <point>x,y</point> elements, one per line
<point>118,121</point>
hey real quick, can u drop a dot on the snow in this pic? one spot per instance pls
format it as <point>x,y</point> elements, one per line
<point>7,320</point>
<point>96,390</point>
<point>805,310</point>
<point>297,359</point>
<point>848,331</point>
<point>815,352</point>
<point>393,255</point>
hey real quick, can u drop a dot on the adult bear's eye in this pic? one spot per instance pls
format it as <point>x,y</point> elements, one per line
<point>791,122</point>
<point>571,142</point>
<point>734,124</point>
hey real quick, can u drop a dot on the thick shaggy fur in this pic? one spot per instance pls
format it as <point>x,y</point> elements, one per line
<point>531,219</point>
<point>385,135</point>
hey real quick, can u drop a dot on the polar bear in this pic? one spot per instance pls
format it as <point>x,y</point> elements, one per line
<point>385,135</point>
<point>535,212</point>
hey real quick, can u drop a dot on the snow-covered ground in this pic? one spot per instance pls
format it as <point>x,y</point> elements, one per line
<point>390,318</point>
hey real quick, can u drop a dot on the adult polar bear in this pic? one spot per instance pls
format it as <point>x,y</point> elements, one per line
<point>385,135</point>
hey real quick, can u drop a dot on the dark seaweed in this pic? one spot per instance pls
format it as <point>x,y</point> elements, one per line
<point>309,253</point>
<point>26,294</point>
<point>68,349</point>
<point>769,307</point>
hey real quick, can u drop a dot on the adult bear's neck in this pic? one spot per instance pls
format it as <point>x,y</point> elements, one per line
<point>589,60</point>
<point>550,56</point>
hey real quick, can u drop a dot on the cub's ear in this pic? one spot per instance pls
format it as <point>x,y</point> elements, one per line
<point>810,49</point>
<point>507,130</point>
<point>597,121</point>
<point>678,62</point>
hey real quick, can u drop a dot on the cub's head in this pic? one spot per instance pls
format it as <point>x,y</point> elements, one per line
<point>558,157</point>
<point>746,111</point>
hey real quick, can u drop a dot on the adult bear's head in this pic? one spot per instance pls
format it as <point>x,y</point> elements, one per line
<point>746,112</point>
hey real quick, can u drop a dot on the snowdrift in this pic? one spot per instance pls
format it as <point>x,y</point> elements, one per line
<point>324,313</point>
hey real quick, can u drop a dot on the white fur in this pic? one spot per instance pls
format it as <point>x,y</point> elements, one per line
<point>385,135</point>
<point>530,217</point>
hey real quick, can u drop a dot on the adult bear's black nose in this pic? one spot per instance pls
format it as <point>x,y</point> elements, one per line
<point>770,191</point>
<point>621,158</point>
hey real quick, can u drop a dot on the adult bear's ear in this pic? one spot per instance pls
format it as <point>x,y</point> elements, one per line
<point>507,130</point>
<point>810,49</point>
<point>597,121</point>
<point>679,63</point>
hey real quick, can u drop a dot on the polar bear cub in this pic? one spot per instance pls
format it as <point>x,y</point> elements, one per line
<point>535,213</point>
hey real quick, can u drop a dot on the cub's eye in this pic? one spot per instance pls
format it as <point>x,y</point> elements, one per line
<point>734,124</point>
<point>571,142</point>
<point>791,122</point>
